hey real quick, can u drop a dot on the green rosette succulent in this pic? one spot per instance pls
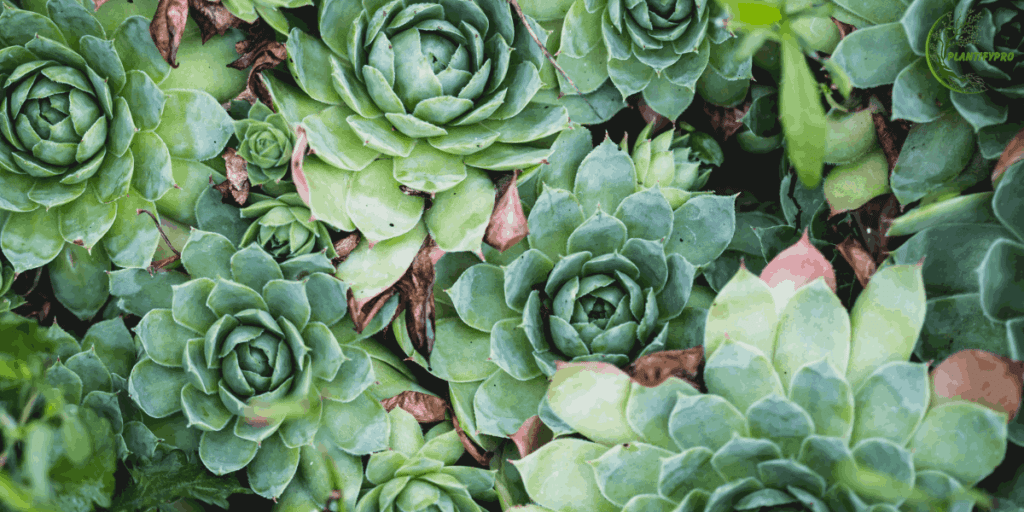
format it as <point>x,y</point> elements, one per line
<point>88,138</point>
<point>974,245</point>
<point>808,407</point>
<point>586,286</point>
<point>892,47</point>
<point>284,226</point>
<point>665,50</point>
<point>265,141</point>
<point>678,164</point>
<point>248,354</point>
<point>418,472</point>
<point>401,101</point>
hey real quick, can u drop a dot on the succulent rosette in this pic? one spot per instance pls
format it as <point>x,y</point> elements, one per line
<point>891,47</point>
<point>88,137</point>
<point>604,275</point>
<point>285,227</point>
<point>401,101</point>
<point>974,245</point>
<point>678,164</point>
<point>665,50</point>
<point>807,406</point>
<point>247,354</point>
<point>265,141</point>
<point>418,472</point>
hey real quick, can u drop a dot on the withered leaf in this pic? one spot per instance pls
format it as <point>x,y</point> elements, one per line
<point>416,289</point>
<point>345,246</point>
<point>653,369</point>
<point>482,457</point>
<point>235,189</point>
<point>1013,153</point>
<point>726,121</point>
<point>168,26</point>
<point>213,18</point>
<point>425,408</point>
<point>531,436</point>
<point>363,311</point>
<point>508,222</point>
<point>859,258</point>
<point>982,377</point>
<point>873,220</point>
<point>844,28</point>
<point>261,51</point>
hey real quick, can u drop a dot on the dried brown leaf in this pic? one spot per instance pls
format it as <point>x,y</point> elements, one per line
<point>653,369</point>
<point>260,51</point>
<point>531,436</point>
<point>425,408</point>
<point>844,28</point>
<point>726,121</point>
<point>873,221</point>
<point>213,18</point>
<point>508,222</point>
<point>168,26</point>
<point>859,258</point>
<point>981,377</point>
<point>482,457</point>
<point>345,246</point>
<point>1013,153</point>
<point>236,188</point>
<point>363,311</point>
<point>416,289</point>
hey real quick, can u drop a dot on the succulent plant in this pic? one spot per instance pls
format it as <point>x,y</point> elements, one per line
<point>678,165</point>
<point>265,141</point>
<point>891,47</point>
<point>246,352</point>
<point>66,451</point>
<point>406,100</point>
<point>418,472</point>
<point>285,227</point>
<point>269,11</point>
<point>88,133</point>
<point>8,299</point>
<point>974,244</point>
<point>660,49</point>
<point>113,108</point>
<point>587,286</point>
<point>807,405</point>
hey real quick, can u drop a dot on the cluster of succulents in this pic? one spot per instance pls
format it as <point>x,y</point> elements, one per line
<point>802,399</point>
<point>510,255</point>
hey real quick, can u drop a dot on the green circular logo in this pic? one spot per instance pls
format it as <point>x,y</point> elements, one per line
<point>948,53</point>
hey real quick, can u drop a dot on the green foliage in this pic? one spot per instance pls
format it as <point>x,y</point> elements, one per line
<point>247,350</point>
<point>806,403</point>
<point>418,472</point>
<point>65,426</point>
<point>974,244</point>
<point>87,131</point>
<point>170,478</point>
<point>285,228</point>
<point>265,141</point>
<point>586,285</point>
